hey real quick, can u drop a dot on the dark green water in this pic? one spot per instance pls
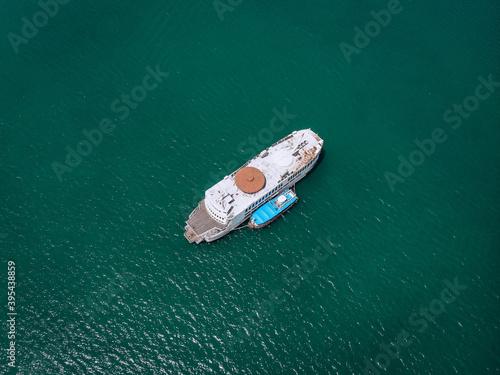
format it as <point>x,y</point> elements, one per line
<point>106,282</point>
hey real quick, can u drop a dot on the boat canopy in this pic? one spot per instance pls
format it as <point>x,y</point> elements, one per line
<point>264,214</point>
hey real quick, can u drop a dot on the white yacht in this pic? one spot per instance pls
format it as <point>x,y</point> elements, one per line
<point>231,201</point>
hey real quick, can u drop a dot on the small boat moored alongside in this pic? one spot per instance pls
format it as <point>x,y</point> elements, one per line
<point>273,209</point>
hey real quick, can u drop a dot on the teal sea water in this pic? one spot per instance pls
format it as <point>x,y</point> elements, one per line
<point>106,283</point>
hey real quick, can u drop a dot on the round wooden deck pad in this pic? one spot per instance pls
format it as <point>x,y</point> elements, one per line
<point>249,179</point>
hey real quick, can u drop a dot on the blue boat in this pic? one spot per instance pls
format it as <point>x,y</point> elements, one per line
<point>273,209</point>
